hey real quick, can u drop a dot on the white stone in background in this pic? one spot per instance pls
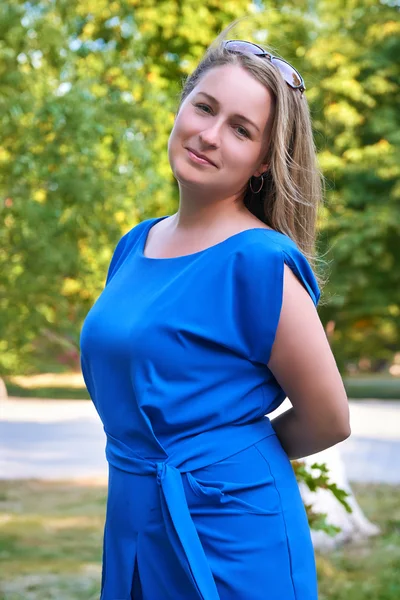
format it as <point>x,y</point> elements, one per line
<point>354,526</point>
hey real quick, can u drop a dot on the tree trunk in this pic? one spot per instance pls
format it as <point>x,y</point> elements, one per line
<point>3,390</point>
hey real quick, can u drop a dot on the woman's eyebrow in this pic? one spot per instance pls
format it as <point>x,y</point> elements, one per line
<point>212,99</point>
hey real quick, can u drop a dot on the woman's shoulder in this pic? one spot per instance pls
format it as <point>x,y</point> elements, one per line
<point>124,246</point>
<point>264,241</point>
<point>130,237</point>
<point>134,232</point>
<point>265,254</point>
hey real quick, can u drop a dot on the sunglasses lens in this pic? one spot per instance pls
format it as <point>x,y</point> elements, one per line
<point>239,46</point>
<point>290,75</point>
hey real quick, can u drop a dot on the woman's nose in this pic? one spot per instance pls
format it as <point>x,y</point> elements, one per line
<point>211,136</point>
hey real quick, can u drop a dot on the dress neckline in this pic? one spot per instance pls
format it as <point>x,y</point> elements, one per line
<point>224,242</point>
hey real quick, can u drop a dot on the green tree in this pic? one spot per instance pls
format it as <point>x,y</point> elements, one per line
<point>87,97</point>
<point>70,142</point>
<point>354,93</point>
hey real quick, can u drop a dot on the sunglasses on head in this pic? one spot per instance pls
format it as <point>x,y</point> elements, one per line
<point>289,73</point>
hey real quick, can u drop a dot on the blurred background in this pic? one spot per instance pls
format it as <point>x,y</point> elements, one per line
<point>88,93</point>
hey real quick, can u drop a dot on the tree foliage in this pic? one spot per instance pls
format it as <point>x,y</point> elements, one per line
<point>355,99</point>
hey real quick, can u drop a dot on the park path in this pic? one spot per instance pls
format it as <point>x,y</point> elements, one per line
<point>62,439</point>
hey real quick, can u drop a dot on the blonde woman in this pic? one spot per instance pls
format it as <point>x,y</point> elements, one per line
<point>207,322</point>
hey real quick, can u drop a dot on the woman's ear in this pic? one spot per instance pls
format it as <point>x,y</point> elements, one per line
<point>261,170</point>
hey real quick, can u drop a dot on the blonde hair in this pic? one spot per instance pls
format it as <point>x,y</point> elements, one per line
<point>293,185</point>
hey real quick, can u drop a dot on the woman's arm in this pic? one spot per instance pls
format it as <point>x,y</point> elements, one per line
<point>304,366</point>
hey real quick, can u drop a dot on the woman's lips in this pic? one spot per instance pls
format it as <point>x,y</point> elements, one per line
<point>197,159</point>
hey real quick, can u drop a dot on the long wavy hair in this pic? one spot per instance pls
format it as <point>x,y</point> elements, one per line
<point>293,185</point>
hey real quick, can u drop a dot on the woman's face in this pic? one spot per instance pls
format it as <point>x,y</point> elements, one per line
<point>227,118</point>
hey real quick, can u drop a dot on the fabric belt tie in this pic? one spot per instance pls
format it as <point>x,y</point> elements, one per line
<point>194,453</point>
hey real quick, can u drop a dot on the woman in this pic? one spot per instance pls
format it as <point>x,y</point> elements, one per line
<point>207,321</point>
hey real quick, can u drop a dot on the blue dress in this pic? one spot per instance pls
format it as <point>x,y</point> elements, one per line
<point>202,499</point>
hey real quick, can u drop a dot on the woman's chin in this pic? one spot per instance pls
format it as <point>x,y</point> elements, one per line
<point>188,177</point>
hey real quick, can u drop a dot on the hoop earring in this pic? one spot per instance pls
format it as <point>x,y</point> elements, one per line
<point>262,183</point>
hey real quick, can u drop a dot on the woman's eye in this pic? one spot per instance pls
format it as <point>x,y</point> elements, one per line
<point>202,107</point>
<point>242,131</point>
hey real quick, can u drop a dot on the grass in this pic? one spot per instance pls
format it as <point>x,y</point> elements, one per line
<point>373,386</point>
<point>371,570</point>
<point>51,537</point>
<point>49,393</point>
<point>70,386</point>
<point>58,386</point>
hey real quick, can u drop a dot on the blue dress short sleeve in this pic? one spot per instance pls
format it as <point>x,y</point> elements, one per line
<point>259,288</point>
